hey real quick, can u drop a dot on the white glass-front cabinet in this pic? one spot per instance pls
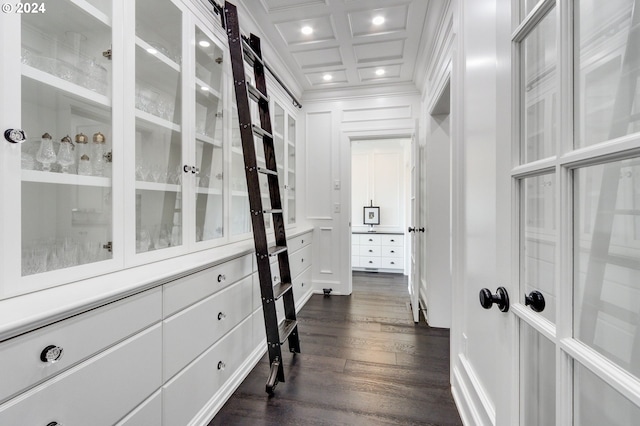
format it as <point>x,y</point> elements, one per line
<point>131,152</point>
<point>284,138</point>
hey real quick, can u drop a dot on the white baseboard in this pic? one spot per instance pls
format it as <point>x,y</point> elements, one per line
<point>473,403</point>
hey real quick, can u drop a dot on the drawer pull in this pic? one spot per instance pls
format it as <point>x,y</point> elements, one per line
<point>54,424</point>
<point>221,278</point>
<point>302,260</point>
<point>221,316</point>
<point>302,285</point>
<point>371,261</point>
<point>370,239</point>
<point>221,365</point>
<point>370,251</point>
<point>393,241</point>
<point>51,354</point>
<point>393,251</point>
<point>301,241</point>
<point>393,263</point>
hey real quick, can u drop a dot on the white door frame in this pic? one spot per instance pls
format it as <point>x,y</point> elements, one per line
<point>345,155</point>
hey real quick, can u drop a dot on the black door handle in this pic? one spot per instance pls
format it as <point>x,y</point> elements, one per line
<point>535,300</point>
<point>412,229</point>
<point>501,298</point>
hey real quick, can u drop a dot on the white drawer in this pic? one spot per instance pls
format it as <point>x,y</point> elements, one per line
<point>355,261</point>
<point>79,337</point>
<point>301,286</point>
<point>392,240</point>
<point>369,262</point>
<point>190,332</point>
<point>100,391</point>
<point>391,263</point>
<point>189,391</point>
<point>188,290</point>
<point>300,241</point>
<point>366,240</point>
<point>146,414</point>
<point>392,251</point>
<point>299,261</point>
<point>369,251</point>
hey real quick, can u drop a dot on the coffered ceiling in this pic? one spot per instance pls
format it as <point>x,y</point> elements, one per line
<point>347,43</point>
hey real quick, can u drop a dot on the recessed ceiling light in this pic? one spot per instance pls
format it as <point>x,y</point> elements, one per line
<point>152,50</point>
<point>204,88</point>
<point>380,71</point>
<point>306,30</point>
<point>204,43</point>
<point>327,77</point>
<point>378,20</point>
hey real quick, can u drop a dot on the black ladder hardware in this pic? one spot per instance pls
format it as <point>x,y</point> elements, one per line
<point>277,332</point>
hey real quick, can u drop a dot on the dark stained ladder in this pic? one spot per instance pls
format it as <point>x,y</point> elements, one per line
<point>242,49</point>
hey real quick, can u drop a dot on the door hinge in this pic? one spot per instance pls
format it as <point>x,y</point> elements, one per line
<point>107,54</point>
<point>108,246</point>
<point>108,157</point>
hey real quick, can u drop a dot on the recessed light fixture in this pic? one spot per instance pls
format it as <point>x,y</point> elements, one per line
<point>380,71</point>
<point>204,88</point>
<point>327,77</point>
<point>152,50</point>
<point>306,30</point>
<point>204,43</point>
<point>378,20</point>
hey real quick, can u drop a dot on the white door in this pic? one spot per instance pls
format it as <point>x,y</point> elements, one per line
<point>576,210</point>
<point>414,232</point>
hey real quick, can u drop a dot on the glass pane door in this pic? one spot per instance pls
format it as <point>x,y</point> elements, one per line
<point>67,209</point>
<point>158,139</point>
<point>209,139</point>
<point>291,171</point>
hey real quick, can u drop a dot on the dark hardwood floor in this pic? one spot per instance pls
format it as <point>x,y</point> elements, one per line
<point>363,362</point>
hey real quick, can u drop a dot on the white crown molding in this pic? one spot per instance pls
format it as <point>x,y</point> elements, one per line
<point>377,91</point>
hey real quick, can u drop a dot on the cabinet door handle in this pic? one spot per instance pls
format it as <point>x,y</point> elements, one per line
<point>221,316</point>
<point>393,251</point>
<point>370,261</point>
<point>370,251</point>
<point>15,135</point>
<point>186,168</point>
<point>393,241</point>
<point>54,424</point>
<point>221,365</point>
<point>221,278</point>
<point>393,263</point>
<point>302,260</point>
<point>51,354</point>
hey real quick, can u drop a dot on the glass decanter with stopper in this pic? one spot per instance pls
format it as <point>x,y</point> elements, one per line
<point>97,157</point>
<point>46,155</point>
<point>84,160</point>
<point>66,155</point>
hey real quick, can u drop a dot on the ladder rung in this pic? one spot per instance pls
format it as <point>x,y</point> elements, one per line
<point>267,171</point>
<point>259,131</point>
<point>276,250</point>
<point>280,289</point>
<point>256,94</point>
<point>286,328</point>
<point>272,211</point>
<point>249,54</point>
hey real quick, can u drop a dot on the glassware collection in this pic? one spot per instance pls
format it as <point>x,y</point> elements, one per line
<point>90,162</point>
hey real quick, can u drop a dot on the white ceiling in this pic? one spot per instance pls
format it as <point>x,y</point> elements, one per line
<point>345,43</point>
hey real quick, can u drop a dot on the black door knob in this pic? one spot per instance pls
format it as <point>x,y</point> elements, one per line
<point>412,229</point>
<point>501,298</point>
<point>535,300</point>
<point>421,229</point>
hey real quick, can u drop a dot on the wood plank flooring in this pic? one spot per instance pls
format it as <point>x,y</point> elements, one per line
<point>363,362</point>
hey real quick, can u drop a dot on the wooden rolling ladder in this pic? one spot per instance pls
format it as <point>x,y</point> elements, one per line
<point>242,49</point>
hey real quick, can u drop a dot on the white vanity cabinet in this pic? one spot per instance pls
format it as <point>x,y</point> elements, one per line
<point>382,252</point>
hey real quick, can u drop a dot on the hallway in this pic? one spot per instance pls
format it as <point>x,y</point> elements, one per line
<point>363,362</point>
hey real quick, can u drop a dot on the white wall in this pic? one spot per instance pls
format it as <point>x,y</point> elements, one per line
<point>332,124</point>
<point>378,175</point>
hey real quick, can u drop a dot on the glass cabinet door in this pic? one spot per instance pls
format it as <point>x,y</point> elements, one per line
<point>158,138</point>
<point>66,113</point>
<point>291,170</point>
<point>209,139</point>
